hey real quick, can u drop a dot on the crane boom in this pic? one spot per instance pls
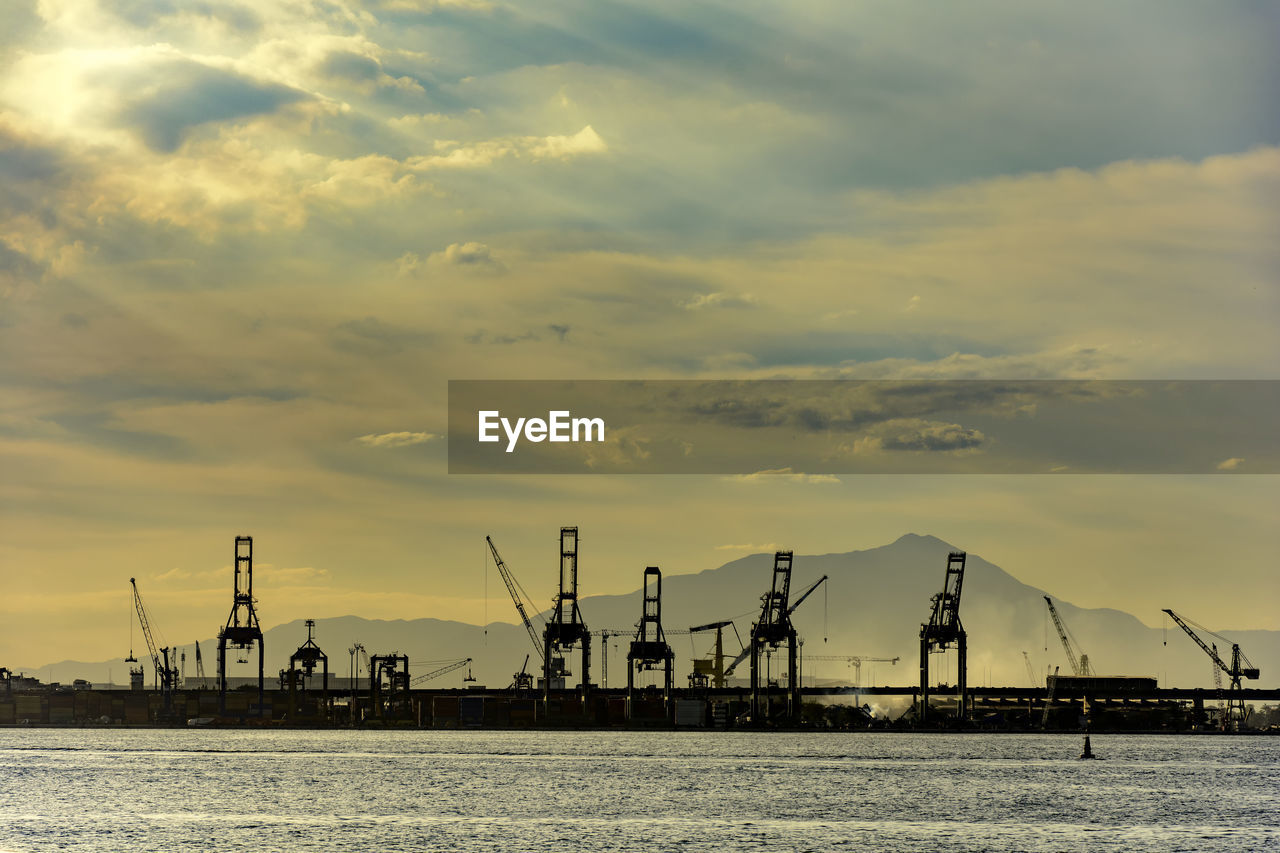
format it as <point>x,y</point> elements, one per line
<point>1247,672</point>
<point>510,581</point>
<point>1079,663</point>
<point>444,670</point>
<point>806,594</point>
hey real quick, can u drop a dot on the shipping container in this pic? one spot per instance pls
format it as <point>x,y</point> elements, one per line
<point>444,712</point>
<point>691,712</point>
<point>30,708</point>
<point>497,713</point>
<point>471,711</point>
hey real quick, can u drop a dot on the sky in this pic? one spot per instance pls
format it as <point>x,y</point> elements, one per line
<point>244,247</point>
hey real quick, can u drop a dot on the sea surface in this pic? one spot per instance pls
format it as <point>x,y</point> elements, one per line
<point>198,790</point>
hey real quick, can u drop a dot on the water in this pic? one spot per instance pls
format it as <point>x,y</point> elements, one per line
<point>195,790</point>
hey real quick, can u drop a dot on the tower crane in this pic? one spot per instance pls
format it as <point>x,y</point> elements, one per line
<point>855,661</point>
<point>444,670</point>
<point>1241,667</point>
<point>1079,661</point>
<point>166,675</point>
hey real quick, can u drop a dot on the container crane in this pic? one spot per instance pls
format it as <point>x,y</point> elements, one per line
<point>944,630</point>
<point>1079,661</point>
<point>746,650</point>
<point>772,630</point>
<point>166,675</point>
<point>1241,667</point>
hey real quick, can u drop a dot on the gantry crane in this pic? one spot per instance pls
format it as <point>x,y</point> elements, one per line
<point>242,631</point>
<point>944,630</point>
<point>1240,667</point>
<point>166,675</point>
<point>746,649</point>
<point>1079,660</point>
<point>772,630</point>
<point>566,628</point>
<point>649,650</point>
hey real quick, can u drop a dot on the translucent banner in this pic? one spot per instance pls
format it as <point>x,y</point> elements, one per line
<point>863,427</point>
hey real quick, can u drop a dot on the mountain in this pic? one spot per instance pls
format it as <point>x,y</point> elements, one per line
<point>872,606</point>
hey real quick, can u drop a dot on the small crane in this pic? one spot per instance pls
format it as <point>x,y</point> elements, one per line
<point>522,681</point>
<point>1241,667</point>
<point>445,670</point>
<point>718,671</point>
<point>166,675</point>
<point>514,588</point>
<point>1031,673</point>
<point>1079,662</point>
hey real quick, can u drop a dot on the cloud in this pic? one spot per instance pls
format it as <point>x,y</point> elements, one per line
<point>931,436</point>
<point>396,439</point>
<point>167,99</point>
<point>755,549</point>
<point>452,154</point>
<point>585,141</point>
<point>720,300</point>
<point>372,337</point>
<point>774,475</point>
<point>1230,464</point>
<point>471,256</point>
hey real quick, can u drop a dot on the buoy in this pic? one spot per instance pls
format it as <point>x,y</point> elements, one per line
<point>1088,750</point>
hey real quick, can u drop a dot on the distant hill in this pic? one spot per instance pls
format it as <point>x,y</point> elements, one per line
<point>872,605</point>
